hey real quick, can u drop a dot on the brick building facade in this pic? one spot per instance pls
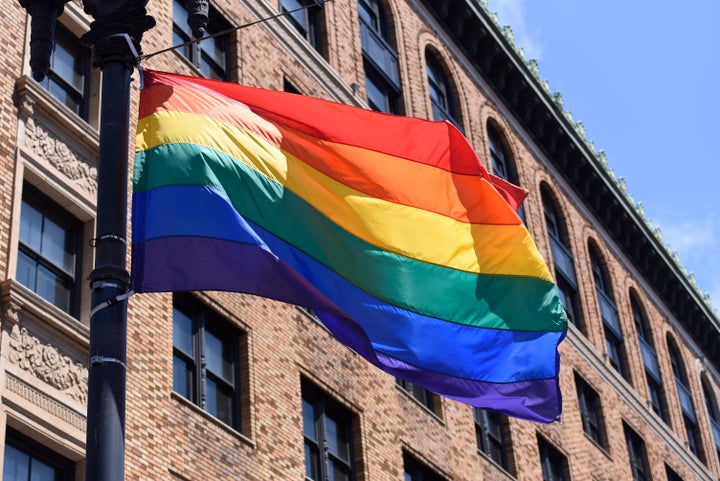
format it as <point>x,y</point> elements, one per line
<point>229,386</point>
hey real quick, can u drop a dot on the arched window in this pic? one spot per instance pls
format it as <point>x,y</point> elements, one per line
<point>711,403</point>
<point>501,161</point>
<point>614,346</point>
<point>441,95</point>
<point>686,403</point>
<point>562,258</point>
<point>380,60</point>
<point>656,393</point>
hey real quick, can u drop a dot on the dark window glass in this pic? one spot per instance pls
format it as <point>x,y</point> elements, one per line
<point>69,73</point>
<point>422,395</point>
<point>713,413</point>
<point>206,360</point>
<point>372,13</point>
<point>26,460</point>
<point>381,96</point>
<point>380,60</point>
<point>212,55</point>
<point>614,346</point>
<point>678,367</point>
<point>416,471</point>
<point>686,402</point>
<point>656,397</point>
<point>307,21</point>
<point>692,432</point>
<point>441,96</point>
<point>328,434</point>
<point>48,251</point>
<point>502,165</point>
<point>710,401</point>
<point>289,87</point>
<point>641,324</point>
<point>615,351</point>
<point>590,411</point>
<point>492,434</point>
<point>637,455</point>
<point>569,299</point>
<point>563,262</point>
<point>656,394</point>
<point>553,463</point>
<point>672,475</point>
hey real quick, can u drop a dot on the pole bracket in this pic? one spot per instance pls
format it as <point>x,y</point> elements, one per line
<point>104,359</point>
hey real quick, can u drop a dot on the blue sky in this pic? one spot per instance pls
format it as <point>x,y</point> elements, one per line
<point>644,78</point>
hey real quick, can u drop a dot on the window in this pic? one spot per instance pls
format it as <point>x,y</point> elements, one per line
<point>69,73</point>
<point>206,366</point>
<point>692,430</point>
<point>614,351</point>
<point>713,412</point>
<point>553,463</point>
<point>382,74</point>
<point>502,165</point>
<point>212,55</point>
<point>493,438</point>
<point>672,475</point>
<point>614,346</point>
<point>416,471</point>
<point>306,19</point>
<point>656,395</point>
<point>636,454</point>
<point>422,395</point>
<point>590,410</point>
<point>328,434</point>
<point>49,250</point>
<point>26,460</point>
<point>441,97</point>
<point>289,87</point>
<point>562,259</point>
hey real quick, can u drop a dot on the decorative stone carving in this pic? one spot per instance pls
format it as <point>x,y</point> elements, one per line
<point>64,158</point>
<point>46,363</point>
<point>10,312</point>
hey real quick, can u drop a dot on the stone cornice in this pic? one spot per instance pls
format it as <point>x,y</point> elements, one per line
<point>491,51</point>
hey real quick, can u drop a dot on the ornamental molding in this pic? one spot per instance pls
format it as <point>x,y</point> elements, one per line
<point>69,161</point>
<point>47,404</point>
<point>46,362</point>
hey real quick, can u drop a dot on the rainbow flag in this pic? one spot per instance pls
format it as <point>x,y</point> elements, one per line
<point>388,228</point>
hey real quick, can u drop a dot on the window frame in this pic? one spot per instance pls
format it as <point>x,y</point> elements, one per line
<point>326,407</point>
<point>72,227</point>
<point>440,91</point>
<point>422,396</point>
<point>63,467</point>
<point>553,463</point>
<point>376,32</point>
<point>311,29</point>
<point>83,55</point>
<point>637,455</point>
<point>591,413</point>
<point>205,320</point>
<point>495,445</point>
<point>557,235</point>
<point>416,470</point>
<point>195,52</point>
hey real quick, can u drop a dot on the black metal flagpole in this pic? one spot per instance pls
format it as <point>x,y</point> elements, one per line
<point>115,35</point>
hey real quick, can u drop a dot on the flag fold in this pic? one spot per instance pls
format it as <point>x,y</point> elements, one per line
<point>389,228</point>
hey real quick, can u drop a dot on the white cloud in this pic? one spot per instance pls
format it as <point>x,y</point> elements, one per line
<point>697,242</point>
<point>514,13</point>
